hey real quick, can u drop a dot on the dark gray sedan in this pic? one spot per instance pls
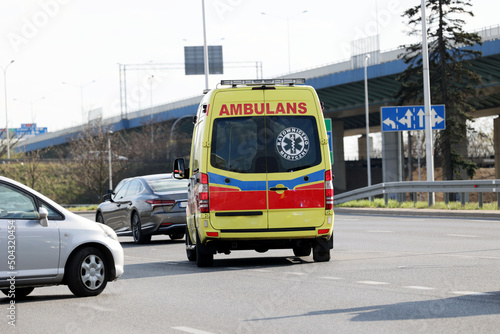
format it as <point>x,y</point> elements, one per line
<point>146,205</point>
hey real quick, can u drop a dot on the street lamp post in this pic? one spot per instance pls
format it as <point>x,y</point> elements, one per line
<point>367,119</point>
<point>109,162</point>
<point>205,46</point>
<point>6,112</point>
<point>151,114</point>
<point>287,18</point>
<point>81,86</point>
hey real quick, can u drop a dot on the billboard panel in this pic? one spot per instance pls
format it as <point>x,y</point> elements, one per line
<point>194,63</point>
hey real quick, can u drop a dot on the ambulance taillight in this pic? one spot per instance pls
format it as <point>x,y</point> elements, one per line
<point>328,190</point>
<point>203,195</point>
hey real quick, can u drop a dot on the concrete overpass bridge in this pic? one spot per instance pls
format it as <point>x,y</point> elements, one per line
<point>341,87</point>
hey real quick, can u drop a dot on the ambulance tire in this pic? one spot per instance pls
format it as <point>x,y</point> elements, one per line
<point>190,252</point>
<point>204,257</point>
<point>302,250</point>
<point>320,254</point>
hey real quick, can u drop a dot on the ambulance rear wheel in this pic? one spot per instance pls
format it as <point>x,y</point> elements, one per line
<point>190,252</point>
<point>320,254</point>
<point>302,250</point>
<point>204,258</point>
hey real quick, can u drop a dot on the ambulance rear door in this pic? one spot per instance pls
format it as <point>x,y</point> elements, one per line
<point>238,185</point>
<point>296,161</point>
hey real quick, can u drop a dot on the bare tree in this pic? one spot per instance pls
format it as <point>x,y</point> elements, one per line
<point>90,152</point>
<point>154,146</point>
<point>12,141</point>
<point>31,164</point>
<point>480,142</point>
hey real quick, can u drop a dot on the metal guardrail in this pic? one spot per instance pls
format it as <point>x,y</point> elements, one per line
<point>399,188</point>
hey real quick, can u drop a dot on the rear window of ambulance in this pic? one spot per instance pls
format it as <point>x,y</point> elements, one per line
<point>260,144</point>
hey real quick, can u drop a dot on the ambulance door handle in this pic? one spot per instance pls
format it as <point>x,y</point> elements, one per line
<point>278,188</point>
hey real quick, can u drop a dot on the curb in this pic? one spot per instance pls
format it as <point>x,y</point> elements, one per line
<point>477,214</point>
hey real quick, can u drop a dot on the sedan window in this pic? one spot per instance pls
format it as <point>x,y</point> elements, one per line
<point>53,214</point>
<point>15,204</point>
<point>122,189</point>
<point>134,188</point>
<point>163,185</point>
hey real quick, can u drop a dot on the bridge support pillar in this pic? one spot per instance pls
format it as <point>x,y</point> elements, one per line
<point>391,158</point>
<point>496,145</point>
<point>338,155</point>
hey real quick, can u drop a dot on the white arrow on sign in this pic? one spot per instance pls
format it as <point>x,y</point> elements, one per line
<point>407,119</point>
<point>436,119</point>
<point>421,115</point>
<point>390,123</point>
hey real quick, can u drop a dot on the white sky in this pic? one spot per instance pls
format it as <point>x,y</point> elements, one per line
<point>81,41</point>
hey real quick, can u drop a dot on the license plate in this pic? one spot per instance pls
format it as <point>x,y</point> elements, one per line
<point>183,204</point>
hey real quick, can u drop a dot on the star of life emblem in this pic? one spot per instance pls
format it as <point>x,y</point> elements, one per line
<point>292,144</point>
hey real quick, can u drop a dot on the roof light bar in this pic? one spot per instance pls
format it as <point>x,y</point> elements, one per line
<point>251,82</point>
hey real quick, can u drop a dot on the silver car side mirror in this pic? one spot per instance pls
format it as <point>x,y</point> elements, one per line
<point>43,217</point>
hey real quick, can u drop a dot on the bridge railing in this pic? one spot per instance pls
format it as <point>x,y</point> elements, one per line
<point>399,189</point>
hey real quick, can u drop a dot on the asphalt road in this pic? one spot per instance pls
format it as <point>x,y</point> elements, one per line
<point>387,275</point>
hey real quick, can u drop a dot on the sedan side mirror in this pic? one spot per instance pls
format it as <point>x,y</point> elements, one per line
<point>43,217</point>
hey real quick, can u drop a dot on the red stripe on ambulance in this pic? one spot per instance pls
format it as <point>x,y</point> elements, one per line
<point>230,200</point>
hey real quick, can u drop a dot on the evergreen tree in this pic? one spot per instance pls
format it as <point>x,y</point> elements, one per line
<point>452,79</point>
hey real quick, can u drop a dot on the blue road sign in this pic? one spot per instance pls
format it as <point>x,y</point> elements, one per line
<point>409,118</point>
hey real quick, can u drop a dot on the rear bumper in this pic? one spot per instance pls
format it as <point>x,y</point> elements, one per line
<point>174,228</point>
<point>228,245</point>
<point>164,223</point>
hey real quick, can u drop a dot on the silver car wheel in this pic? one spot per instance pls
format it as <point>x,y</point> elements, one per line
<point>92,272</point>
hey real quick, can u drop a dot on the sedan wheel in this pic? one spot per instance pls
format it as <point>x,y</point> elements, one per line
<point>87,272</point>
<point>139,237</point>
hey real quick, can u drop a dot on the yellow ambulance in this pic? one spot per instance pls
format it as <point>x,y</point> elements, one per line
<point>260,172</point>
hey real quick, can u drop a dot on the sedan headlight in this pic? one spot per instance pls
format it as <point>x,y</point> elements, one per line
<point>109,231</point>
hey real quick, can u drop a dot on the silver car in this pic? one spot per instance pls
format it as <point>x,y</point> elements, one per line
<point>143,206</point>
<point>44,244</point>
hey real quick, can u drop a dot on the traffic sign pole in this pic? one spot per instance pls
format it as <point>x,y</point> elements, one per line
<point>427,104</point>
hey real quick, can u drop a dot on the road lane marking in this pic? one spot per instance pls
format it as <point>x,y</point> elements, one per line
<point>295,273</point>
<point>463,235</point>
<point>470,293</point>
<point>96,307</point>
<point>331,277</point>
<point>372,282</point>
<point>191,330</point>
<point>416,287</point>
<point>379,231</point>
